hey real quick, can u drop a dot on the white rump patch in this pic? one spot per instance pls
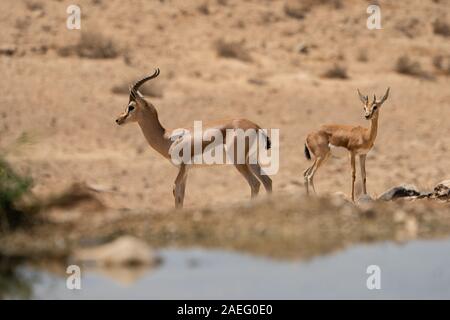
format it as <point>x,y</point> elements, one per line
<point>178,133</point>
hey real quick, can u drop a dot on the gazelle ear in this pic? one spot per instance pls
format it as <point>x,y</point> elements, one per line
<point>362,98</point>
<point>137,95</point>
<point>139,98</point>
<point>386,95</point>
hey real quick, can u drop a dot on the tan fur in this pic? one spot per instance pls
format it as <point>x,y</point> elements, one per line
<point>159,138</point>
<point>356,139</point>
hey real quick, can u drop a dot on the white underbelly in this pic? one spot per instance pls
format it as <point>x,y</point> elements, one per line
<point>337,152</point>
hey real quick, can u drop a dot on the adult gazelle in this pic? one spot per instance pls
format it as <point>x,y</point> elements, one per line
<point>162,140</point>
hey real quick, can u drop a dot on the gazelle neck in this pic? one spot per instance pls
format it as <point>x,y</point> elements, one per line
<point>154,132</point>
<point>373,130</point>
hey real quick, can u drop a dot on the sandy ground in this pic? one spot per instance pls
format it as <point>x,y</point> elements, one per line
<point>66,108</point>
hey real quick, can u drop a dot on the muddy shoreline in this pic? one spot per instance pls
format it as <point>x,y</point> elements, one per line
<point>282,226</point>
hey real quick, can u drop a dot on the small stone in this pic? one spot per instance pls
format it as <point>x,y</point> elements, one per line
<point>442,189</point>
<point>302,48</point>
<point>402,191</point>
<point>8,50</point>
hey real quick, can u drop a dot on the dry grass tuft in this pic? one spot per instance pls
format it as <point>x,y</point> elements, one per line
<point>298,9</point>
<point>203,9</point>
<point>442,64</point>
<point>362,56</point>
<point>34,5</point>
<point>232,50</point>
<point>441,27</point>
<point>337,71</point>
<point>92,46</point>
<point>405,65</point>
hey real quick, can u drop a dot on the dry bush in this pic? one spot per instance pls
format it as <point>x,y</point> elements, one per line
<point>410,27</point>
<point>405,65</point>
<point>297,9</point>
<point>203,9</point>
<point>233,50</point>
<point>441,27</point>
<point>294,9</point>
<point>336,72</point>
<point>257,81</point>
<point>93,46</point>
<point>442,64</point>
<point>34,5</point>
<point>22,23</point>
<point>149,89</point>
<point>362,56</point>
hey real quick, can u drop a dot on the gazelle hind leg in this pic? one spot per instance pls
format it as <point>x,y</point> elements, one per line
<point>180,186</point>
<point>306,174</point>
<point>251,179</point>
<point>259,173</point>
<point>319,161</point>
<point>312,172</point>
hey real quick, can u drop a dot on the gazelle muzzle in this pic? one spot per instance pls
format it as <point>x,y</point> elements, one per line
<point>121,119</point>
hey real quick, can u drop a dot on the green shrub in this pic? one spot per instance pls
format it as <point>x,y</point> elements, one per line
<point>12,188</point>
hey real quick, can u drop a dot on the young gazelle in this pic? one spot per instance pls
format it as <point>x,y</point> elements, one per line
<point>357,140</point>
<point>163,140</point>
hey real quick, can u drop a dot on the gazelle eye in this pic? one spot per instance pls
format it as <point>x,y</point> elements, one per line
<point>375,107</point>
<point>130,108</point>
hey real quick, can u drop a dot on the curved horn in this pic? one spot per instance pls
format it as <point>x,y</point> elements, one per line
<point>386,95</point>
<point>139,83</point>
<point>362,98</point>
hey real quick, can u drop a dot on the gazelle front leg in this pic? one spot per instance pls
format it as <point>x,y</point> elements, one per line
<point>352,161</point>
<point>362,162</point>
<point>180,186</point>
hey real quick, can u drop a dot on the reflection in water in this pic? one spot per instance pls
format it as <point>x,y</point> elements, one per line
<point>125,276</point>
<point>13,284</point>
<point>415,270</point>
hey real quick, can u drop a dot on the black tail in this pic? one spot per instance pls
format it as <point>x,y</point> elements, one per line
<point>307,154</point>
<point>268,143</point>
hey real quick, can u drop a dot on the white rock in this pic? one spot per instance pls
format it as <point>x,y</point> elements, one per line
<point>125,250</point>
<point>442,189</point>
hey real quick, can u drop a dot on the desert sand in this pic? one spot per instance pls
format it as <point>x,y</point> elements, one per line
<point>61,91</point>
<point>65,104</point>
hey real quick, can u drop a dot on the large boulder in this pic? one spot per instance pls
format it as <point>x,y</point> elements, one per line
<point>125,250</point>
<point>402,191</point>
